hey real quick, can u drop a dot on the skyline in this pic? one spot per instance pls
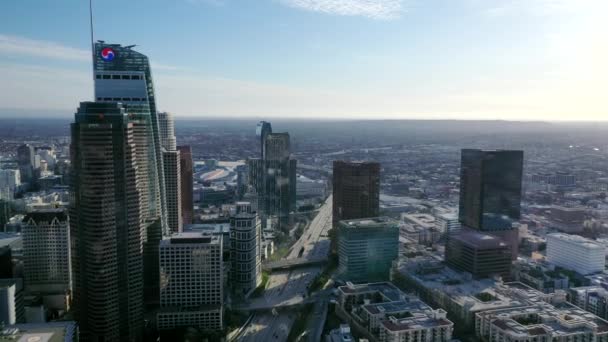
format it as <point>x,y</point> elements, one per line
<point>539,60</point>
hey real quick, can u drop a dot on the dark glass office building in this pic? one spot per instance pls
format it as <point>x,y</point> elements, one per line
<point>490,189</point>
<point>356,190</point>
<point>187,183</point>
<point>107,228</point>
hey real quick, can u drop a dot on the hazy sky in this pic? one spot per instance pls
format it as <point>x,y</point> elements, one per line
<point>457,59</point>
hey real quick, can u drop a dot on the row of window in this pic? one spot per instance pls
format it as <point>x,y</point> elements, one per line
<point>119,77</point>
<point>116,99</point>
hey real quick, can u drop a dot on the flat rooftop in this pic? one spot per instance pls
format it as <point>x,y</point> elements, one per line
<point>371,222</point>
<point>40,332</point>
<point>190,238</point>
<point>577,240</point>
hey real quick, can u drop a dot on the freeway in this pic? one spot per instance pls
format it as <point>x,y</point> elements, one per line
<point>286,288</point>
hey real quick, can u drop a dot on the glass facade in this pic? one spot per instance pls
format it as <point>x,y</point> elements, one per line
<point>124,75</point>
<point>367,248</point>
<point>490,189</point>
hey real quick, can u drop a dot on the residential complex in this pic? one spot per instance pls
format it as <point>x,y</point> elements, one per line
<point>388,315</point>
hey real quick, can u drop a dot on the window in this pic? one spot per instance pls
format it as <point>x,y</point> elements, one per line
<point>115,77</point>
<point>106,77</point>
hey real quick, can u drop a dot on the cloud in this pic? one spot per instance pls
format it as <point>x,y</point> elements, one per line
<point>21,46</point>
<point>375,9</point>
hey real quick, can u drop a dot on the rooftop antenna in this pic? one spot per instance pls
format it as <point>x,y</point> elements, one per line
<point>92,43</point>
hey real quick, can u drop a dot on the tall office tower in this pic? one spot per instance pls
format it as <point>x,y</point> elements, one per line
<point>262,130</point>
<point>6,262</point>
<point>10,182</point>
<point>186,166</point>
<point>173,190</point>
<point>46,252</point>
<point>245,250</point>
<point>5,213</point>
<point>192,283</point>
<point>356,190</point>
<point>490,192</point>
<point>107,228</point>
<point>367,248</point>
<point>490,189</point>
<point>26,161</point>
<point>167,131</point>
<point>279,194</point>
<point>124,75</point>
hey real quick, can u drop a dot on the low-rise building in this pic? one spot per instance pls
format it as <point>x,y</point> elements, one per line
<point>389,315</point>
<point>65,331</point>
<point>540,320</point>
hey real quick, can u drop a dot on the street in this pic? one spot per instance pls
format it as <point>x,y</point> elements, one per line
<point>290,287</point>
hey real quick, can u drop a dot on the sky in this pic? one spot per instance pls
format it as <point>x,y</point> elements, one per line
<point>348,59</point>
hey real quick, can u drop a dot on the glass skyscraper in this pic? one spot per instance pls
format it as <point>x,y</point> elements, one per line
<point>490,189</point>
<point>367,248</point>
<point>124,75</point>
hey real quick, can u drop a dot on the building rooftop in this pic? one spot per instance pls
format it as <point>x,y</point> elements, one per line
<point>371,222</point>
<point>577,240</point>
<point>40,332</point>
<point>190,238</point>
<point>388,290</point>
<point>479,240</point>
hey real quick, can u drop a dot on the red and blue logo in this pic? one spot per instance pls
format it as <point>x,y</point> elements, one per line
<point>108,54</point>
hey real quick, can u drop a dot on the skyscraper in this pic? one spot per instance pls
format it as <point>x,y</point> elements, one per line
<point>46,252</point>
<point>173,185</point>
<point>124,75</point>
<point>262,130</point>
<point>490,192</point>
<point>172,164</point>
<point>278,176</point>
<point>356,192</point>
<point>107,227</point>
<point>245,249</point>
<point>490,189</point>
<point>26,161</point>
<point>187,182</point>
<point>273,176</point>
<point>167,131</point>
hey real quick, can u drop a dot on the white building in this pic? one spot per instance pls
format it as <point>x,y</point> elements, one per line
<point>447,222</point>
<point>191,282</point>
<point>11,301</point>
<point>576,253</point>
<point>46,254</point>
<point>10,180</point>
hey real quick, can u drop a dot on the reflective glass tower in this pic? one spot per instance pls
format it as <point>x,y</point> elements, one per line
<point>490,189</point>
<point>124,75</point>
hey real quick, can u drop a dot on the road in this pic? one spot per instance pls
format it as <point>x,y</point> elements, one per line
<point>290,287</point>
